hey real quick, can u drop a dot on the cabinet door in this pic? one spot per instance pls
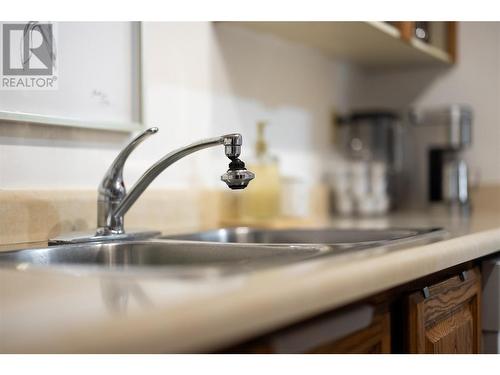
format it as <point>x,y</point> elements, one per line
<point>445,317</point>
<point>360,329</point>
<point>375,339</point>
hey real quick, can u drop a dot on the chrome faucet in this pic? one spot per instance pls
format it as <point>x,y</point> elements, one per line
<point>113,201</point>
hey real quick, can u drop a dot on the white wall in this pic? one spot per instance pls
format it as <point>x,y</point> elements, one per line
<point>200,80</point>
<point>90,57</point>
<point>204,80</point>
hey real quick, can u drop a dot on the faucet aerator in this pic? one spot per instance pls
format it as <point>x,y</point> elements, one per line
<point>237,176</point>
<point>236,183</point>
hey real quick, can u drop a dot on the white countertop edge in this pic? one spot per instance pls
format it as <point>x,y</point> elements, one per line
<point>298,291</point>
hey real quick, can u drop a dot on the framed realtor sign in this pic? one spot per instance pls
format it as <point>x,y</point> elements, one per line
<point>83,74</point>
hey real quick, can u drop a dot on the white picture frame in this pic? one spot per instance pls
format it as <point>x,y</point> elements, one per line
<point>99,71</point>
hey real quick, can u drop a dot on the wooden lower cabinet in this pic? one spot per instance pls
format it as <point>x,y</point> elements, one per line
<point>359,329</point>
<point>445,317</point>
<point>376,339</point>
<point>436,314</point>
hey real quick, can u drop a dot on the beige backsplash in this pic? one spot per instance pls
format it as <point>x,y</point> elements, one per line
<point>35,216</point>
<point>486,198</point>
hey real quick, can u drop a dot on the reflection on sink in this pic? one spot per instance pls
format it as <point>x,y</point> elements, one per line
<point>325,236</point>
<point>158,253</point>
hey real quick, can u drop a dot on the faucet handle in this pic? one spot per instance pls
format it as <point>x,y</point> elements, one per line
<point>112,188</point>
<point>112,185</point>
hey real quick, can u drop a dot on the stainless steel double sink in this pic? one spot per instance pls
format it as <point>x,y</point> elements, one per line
<point>236,248</point>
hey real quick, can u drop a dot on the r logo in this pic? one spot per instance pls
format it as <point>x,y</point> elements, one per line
<point>28,49</point>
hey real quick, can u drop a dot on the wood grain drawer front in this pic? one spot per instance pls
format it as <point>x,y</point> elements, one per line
<point>445,318</point>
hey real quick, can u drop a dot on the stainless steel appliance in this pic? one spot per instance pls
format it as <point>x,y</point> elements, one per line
<point>435,164</point>
<point>371,144</point>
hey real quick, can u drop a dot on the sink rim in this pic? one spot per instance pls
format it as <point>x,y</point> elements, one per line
<point>420,234</point>
<point>207,270</point>
<point>216,268</point>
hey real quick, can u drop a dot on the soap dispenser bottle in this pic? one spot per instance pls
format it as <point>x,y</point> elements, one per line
<point>261,201</point>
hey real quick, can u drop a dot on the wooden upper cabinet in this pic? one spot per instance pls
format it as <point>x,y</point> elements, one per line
<point>445,317</point>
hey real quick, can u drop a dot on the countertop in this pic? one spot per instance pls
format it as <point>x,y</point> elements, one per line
<point>44,310</point>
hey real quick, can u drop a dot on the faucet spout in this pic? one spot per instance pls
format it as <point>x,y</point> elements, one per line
<point>239,178</point>
<point>113,201</point>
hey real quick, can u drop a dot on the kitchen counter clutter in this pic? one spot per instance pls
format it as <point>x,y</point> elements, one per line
<point>46,310</point>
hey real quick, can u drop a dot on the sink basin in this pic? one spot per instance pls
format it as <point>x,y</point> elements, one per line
<point>225,250</point>
<point>158,253</point>
<point>324,236</point>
